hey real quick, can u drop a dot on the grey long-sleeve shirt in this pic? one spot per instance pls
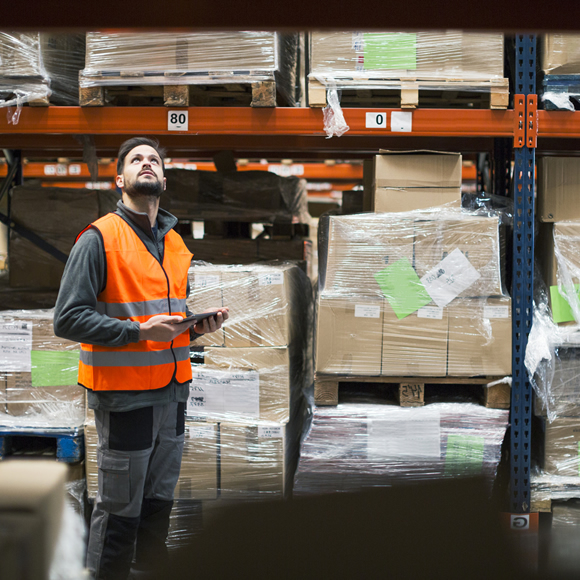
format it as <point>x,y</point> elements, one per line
<point>76,318</point>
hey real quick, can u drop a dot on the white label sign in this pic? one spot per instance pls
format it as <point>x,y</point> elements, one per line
<point>405,436</point>
<point>74,169</point>
<point>376,120</point>
<point>221,395</point>
<point>449,278</point>
<point>401,122</point>
<point>177,120</point>
<point>520,522</point>
<point>496,311</point>
<point>272,279</point>
<point>201,431</point>
<point>50,170</point>
<point>15,346</point>
<point>432,312</point>
<point>206,281</point>
<point>269,432</point>
<point>366,311</point>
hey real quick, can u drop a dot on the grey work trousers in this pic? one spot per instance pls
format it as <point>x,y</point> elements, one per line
<point>139,458</point>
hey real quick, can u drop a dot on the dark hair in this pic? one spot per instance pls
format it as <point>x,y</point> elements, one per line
<point>130,144</point>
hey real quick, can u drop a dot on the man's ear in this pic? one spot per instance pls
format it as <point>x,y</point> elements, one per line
<point>119,181</point>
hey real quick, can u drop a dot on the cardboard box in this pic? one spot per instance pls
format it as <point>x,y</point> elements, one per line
<point>410,169</point>
<point>480,337</point>
<point>403,199</point>
<point>561,54</point>
<point>206,293</point>
<point>349,335</point>
<point>562,440</point>
<point>253,461</point>
<point>558,185</point>
<point>359,246</point>
<point>477,238</point>
<point>244,384</point>
<point>415,345</point>
<point>198,477</point>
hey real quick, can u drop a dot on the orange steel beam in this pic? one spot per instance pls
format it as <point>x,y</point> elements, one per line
<point>249,121</point>
<point>559,124</point>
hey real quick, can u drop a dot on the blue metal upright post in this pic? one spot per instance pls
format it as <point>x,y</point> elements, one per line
<point>522,287</point>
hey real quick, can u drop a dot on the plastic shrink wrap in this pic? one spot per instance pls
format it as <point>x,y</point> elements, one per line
<point>31,266</point>
<point>259,196</point>
<point>40,67</point>
<point>185,58</point>
<point>413,294</point>
<point>560,56</point>
<point>38,374</point>
<point>372,443</point>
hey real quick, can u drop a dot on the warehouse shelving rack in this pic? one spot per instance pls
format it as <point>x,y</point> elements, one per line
<point>288,132</point>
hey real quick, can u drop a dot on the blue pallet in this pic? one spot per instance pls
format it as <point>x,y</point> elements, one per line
<point>563,86</point>
<point>70,443</point>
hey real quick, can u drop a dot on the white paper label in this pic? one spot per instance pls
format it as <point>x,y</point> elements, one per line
<point>496,311</point>
<point>219,394</point>
<point>358,41</point>
<point>50,170</point>
<point>401,122</point>
<point>201,431</point>
<point>177,120</point>
<point>205,281</point>
<point>269,432</point>
<point>449,278</point>
<point>520,522</point>
<point>74,169</point>
<point>61,169</point>
<point>15,346</point>
<point>376,120</point>
<point>366,311</point>
<point>273,279</point>
<point>405,437</point>
<point>432,312</point>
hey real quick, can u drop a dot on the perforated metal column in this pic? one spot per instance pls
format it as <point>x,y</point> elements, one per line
<point>522,289</point>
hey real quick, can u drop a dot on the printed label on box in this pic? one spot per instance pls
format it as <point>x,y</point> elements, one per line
<point>358,41</point>
<point>203,281</point>
<point>367,311</point>
<point>201,431</point>
<point>269,432</point>
<point>406,436</point>
<point>16,346</point>
<point>273,279</point>
<point>496,311</point>
<point>219,395</point>
<point>453,275</point>
<point>432,312</point>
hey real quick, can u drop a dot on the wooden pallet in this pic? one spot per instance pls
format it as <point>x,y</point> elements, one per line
<point>177,90</point>
<point>410,391</point>
<point>69,442</point>
<point>564,85</point>
<point>410,93</point>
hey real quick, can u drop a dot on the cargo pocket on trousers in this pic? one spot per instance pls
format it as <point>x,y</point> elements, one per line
<point>115,478</point>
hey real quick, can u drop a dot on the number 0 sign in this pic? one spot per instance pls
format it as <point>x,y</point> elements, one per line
<point>177,120</point>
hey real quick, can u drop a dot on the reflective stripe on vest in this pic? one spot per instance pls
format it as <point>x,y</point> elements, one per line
<point>138,287</point>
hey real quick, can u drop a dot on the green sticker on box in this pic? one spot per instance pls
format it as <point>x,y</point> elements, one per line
<point>53,368</point>
<point>561,311</point>
<point>390,50</point>
<point>402,288</point>
<point>464,455</point>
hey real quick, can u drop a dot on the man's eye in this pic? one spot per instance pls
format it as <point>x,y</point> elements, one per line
<point>156,161</point>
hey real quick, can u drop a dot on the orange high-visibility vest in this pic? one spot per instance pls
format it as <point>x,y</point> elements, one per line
<point>137,288</point>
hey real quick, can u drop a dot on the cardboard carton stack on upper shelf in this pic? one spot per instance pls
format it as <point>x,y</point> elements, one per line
<point>415,293</point>
<point>561,66</point>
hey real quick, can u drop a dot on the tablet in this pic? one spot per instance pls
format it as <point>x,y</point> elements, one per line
<point>197,317</point>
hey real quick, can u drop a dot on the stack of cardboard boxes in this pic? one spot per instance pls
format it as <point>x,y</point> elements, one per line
<point>38,374</point>
<point>418,292</point>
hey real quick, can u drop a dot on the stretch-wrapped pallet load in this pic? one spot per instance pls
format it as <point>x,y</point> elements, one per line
<point>561,66</point>
<point>365,444</point>
<point>445,60</point>
<point>39,68</point>
<point>259,196</point>
<point>413,294</point>
<point>38,374</point>
<point>185,58</point>
<point>56,215</point>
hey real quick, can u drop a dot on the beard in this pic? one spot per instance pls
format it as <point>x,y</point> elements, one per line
<point>144,189</point>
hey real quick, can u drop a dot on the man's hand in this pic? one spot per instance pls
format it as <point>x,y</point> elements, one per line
<point>163,328</point>
<point>212,323</point>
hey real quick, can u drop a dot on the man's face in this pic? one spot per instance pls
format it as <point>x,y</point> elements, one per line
<point>142,173</point>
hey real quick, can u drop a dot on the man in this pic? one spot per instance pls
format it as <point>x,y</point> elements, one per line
<point>122,296</point>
